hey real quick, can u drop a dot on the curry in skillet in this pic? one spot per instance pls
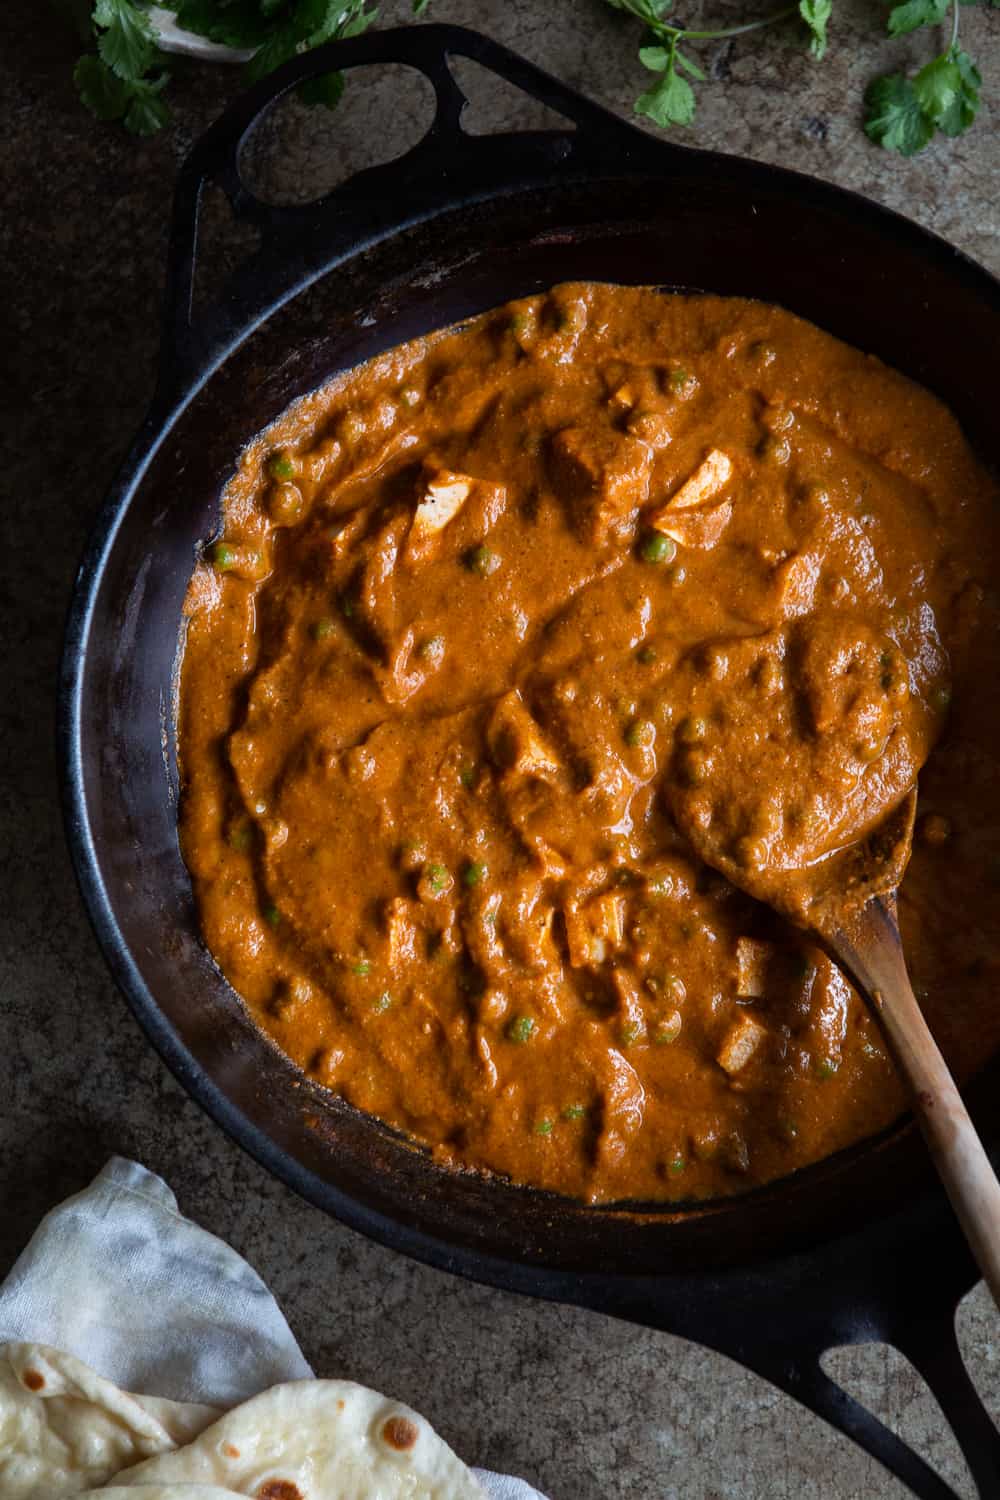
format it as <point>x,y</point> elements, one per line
<point>492,620</point>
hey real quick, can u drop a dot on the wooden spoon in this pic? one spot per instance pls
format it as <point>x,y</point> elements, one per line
<point>850,905</point>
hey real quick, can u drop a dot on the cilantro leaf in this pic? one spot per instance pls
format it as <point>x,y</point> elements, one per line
<point>242,23</point>
<point>962,110</point>
<point>103,93</point>
<point>134,101</point>
<point>914,13</point>
<point>126,42</point>
<point>895,119</point>
<point>146,113</point>
<point>936,88</point>
<point>669,102</point>
<point>689,67</point>
<point>816,14</point>
<point>308,24</point>
<point>656,59</point>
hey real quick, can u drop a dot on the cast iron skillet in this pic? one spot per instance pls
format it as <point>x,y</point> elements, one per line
<point>860,1247</point>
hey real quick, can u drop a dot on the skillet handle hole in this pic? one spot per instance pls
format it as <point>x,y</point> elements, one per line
<point>298,153</point>
<point>885,1382</point>
<point>495,104</point>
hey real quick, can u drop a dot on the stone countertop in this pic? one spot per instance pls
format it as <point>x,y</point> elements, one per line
<point>586,1407</point>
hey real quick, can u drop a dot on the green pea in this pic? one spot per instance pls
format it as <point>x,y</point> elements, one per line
<point>474,874</point>
<point>640,734</point>
<point>223,557</point>
<point>667,1032</point>
<point>692,730</point>
<point>362,968</point>
<point>241,837</point>
<point>520,1029</point>
<point>482,561</point>
<point>282,466</point>
<point>657,548</point>
<point>574,1112</point>
<point>544,1127</point>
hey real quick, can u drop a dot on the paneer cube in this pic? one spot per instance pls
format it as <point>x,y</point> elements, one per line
<point>594,931</point>
<point>742,1041</point>
<point>752,959</point>
<point>444,494</point>
<point>687,518</point>
<point>706,483</point>
<point>699,529</point>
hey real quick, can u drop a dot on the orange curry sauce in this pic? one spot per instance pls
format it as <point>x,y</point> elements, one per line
<point>493,611</point>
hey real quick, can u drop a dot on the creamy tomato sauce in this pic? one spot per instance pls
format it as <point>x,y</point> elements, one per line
<point>495,623</point>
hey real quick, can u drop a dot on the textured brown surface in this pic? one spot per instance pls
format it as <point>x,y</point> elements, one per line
<point>586,1407</point>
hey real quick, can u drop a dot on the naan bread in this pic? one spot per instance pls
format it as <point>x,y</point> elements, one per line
<point>160,1492</point>
<point>64,1428</point>
<point>317,1440</point>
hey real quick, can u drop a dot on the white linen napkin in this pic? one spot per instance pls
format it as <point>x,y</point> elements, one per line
<point>119,1277</point>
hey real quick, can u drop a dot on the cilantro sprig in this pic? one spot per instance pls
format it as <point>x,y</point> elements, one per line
<point>903,114</point>
<point>124,79</point>
<point>671,100</point>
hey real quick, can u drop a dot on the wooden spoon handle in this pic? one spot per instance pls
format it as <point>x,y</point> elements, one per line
<point>872,953</point>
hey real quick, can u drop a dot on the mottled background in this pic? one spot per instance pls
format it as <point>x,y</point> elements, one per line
<point>586,1407</point>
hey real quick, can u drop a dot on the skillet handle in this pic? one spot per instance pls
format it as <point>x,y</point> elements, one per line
<point>898,1281</point>
<point>448,167</point>
<point>930,1344</point>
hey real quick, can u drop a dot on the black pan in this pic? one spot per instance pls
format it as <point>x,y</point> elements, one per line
<point>860,1247</point>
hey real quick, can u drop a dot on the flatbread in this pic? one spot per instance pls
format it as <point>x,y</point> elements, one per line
<point>65,1429</point>
<point>160,1492</point>
<point>318,1440</point>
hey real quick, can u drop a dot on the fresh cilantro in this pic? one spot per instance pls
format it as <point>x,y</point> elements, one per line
<point>125,38</point>
<point>963,108</point>
<point>135,102</point>
<point>671,101</point>
<point>241,23</point>
<point>103,94</point>
<point>914,13</point>
<point>904,113</point>
<point>146,112</point>
<point>895,119</point>
<point>816,14</point>
<point>126,78</point>
<point>936,87</point>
